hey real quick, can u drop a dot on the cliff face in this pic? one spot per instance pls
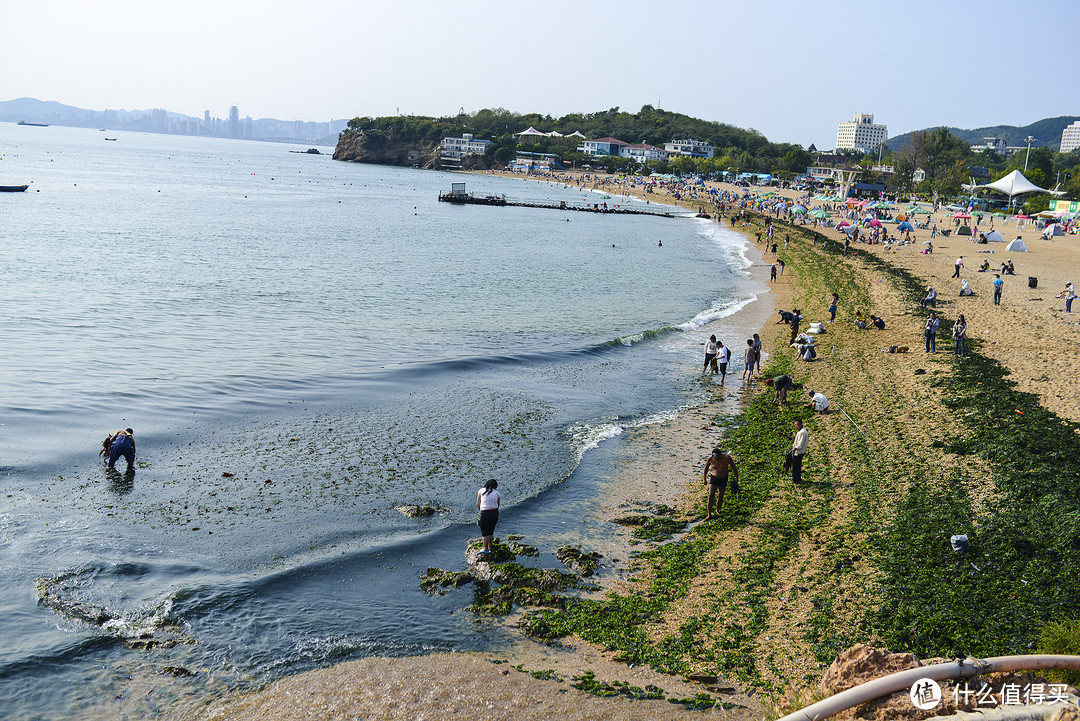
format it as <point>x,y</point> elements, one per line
<point>385,149</point>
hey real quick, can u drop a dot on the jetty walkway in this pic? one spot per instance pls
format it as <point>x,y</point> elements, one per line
<point>463,198</point>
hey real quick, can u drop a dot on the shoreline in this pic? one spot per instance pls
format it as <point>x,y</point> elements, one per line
<point>650,459</point>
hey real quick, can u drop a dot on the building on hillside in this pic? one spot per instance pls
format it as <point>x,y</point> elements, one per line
<point>693,148</point>
<point>1070,138</point>
<point>995,144</point>
<point>830,159</point>
<point>602,146</point>
<point>979,173</point>
<point>452,150</point>
<point>643,152</point>
<point>528,162</point>
<point>862,134</point>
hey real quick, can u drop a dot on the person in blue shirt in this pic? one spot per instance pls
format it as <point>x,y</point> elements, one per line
<point>998,285</point>
<point>121,443</point>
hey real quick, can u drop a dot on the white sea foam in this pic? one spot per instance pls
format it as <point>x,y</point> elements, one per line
<point>710,315</point>
<point>586,436</point>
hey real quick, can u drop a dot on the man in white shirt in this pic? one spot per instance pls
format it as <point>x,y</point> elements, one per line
<point>798,450</point>
<point>818,402</point>
<point>724,356</point>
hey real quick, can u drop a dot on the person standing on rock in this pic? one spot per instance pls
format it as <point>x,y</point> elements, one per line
<point>487,502</point>
<point>717,469</point>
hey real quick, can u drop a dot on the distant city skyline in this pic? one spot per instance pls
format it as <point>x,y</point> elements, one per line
<point>792,71</point>
<point>163,120</point>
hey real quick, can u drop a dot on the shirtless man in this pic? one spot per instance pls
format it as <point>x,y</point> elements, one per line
<point>716,478</point>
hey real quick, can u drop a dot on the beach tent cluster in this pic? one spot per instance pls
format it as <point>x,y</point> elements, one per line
<point>534,133</point>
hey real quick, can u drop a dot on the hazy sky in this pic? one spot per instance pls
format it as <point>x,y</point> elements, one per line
<point>792,70</point>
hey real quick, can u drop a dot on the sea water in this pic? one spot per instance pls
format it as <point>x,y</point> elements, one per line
<point>302,345</point>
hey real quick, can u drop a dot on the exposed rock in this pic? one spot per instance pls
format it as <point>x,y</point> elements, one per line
<point>581,563</point>
<point>385,149</point>
<point>50,597</point>
<point>437,579</point>
<point>416,511</point>
<point>862,663</point>
<point>523,549</point>
<point>179,671</point>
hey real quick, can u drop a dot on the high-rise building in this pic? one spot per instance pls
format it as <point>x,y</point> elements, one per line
<point>860,134</point>
<point>234,122</point>
<point>1070,138</point>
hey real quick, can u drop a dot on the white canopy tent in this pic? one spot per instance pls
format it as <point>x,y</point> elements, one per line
<point>1012,185</point>
<point>1016,246</point>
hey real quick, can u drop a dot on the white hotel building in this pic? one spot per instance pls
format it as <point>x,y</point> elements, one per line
<point>458,148</point>
<point>861,134</point>
<point>1070,138</point>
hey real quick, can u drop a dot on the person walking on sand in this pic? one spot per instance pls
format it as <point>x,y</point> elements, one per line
<point>711,350</point>
<point>487,502</point>
<point>798,450</point>
<point>717,469</point>
<point>959,265</point>
<point>772,272</point>
<point>932,324</point>
<point>748,360</point>
<point>999,284</point>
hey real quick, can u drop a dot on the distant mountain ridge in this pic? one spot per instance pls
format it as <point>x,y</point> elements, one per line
<point>34,110</point>
<point>1046,132</point>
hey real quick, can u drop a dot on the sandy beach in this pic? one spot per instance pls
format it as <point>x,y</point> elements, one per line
<point>885,397</point>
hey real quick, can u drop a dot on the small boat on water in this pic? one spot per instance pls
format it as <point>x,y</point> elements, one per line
<point>36,125</point>
<point>110,138</point>
<point>13,188</point>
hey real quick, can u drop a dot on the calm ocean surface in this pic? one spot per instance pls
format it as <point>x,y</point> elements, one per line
<point>300,346</point>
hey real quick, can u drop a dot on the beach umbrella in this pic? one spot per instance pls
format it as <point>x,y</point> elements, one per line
<point>798,210</point>
<point>1021,217</point>
<point>923,211</point>
<point>962,216</point>
<point>852,201</point>
<point>819,214</point>
<point>977,214</point>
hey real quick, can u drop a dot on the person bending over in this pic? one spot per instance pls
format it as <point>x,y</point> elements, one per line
<point>121,443</point>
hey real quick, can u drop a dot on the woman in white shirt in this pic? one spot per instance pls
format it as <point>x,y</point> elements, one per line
<point>487,502</point>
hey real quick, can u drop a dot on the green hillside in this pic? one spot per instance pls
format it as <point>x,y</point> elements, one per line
<point>1046,132</point>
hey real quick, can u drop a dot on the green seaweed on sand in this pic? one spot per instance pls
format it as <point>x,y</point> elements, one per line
<point>588,683</point>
